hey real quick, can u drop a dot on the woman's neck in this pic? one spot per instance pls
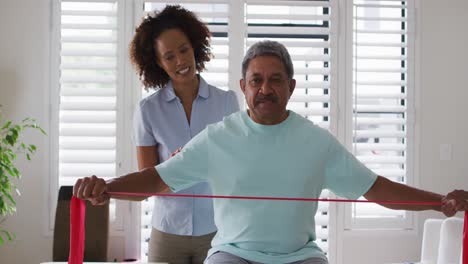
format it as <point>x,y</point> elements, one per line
<point>187,91</point>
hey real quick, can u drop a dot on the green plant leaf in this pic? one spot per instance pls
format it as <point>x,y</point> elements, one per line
<point>12,171</point>
<point>8,236</point>
<point>6,186</point>
<point>10,156</point>
<point>12,145</point>
<point>10,140</point>
<point>3,208</point>
<point>16,172</point>
<point>7,125</point>
<point>8,195</point>
<point>31,148</point>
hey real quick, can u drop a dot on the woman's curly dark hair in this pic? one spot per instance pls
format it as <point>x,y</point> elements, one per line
<point>142,52</point>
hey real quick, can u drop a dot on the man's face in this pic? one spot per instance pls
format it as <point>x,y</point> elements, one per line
<point>267,89</point>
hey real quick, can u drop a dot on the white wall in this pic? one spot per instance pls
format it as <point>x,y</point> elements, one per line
<point>23,60</point>
<point>24,29</point>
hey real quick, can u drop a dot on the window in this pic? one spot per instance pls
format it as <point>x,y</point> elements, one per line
<point>87,83</point>
<point>368,105</point>
<point>380,100</point>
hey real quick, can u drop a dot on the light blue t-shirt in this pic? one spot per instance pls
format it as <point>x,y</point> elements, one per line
<point>160,121</point>
<point>295,158</point>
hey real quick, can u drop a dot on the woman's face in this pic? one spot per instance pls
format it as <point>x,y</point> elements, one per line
<point>175,55</point>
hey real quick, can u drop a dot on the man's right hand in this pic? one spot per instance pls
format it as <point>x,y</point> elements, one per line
<point>93,189</point>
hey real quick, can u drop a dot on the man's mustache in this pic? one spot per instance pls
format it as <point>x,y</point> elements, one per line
<point>262,98</point>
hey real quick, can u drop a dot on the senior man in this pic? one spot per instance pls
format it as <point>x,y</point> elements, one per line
<point>268,151</point>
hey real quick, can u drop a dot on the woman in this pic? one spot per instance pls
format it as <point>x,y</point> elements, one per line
<point>168,50</point>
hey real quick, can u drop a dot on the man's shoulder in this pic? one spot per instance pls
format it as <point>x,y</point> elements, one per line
<point>309,128</point>
<point>228,124</point>
<point>301,121</point>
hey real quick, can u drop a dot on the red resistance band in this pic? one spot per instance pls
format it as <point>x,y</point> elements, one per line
<point>77,230</point>
<point>465,240</point>
<point>78,207</point>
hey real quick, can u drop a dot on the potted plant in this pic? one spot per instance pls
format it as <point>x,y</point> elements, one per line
<point>11,146</point>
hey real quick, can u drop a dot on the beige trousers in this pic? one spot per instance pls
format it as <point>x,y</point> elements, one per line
<point>176,249</point>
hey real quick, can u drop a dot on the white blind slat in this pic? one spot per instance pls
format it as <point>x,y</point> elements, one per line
<point>305,17</point>
<point>298,43</point>
<point>288,30</point>
<point>88,66</point>
<point>89,79</point>
<point>381,6</point>
<point>311,111</point>
<point>289,3</point>
<point>379,95</point>
<point>76,170</point>
<point>380,44</point>
<point>309,98</point>
<point>87,156</point>
<point>89,39</point>
<point>380,108</point>
<point>380,146</point>
<point>381,19</point>
<point>89,13</point>
<point>90,26</point>
<point>382,159</point>
<point>379,133</point>
<point>89,53</point>
<point>97,105</point>
<point>88,117</point>
<point>88,143</point>
<point>301,84</point>
<point>87,130</point>
<point>70,92</point>
<point>381,121</point>
<point>382,83</point>
<point>377,32</point>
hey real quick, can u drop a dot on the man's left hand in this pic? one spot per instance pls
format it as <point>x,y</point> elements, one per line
<point>454,201</point>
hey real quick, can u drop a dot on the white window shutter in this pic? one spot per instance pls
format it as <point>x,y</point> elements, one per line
<point>380,103</point>
<point>87,84</point>
<point>88,66</point>
<point>304,27</point>
<point>215,14</point>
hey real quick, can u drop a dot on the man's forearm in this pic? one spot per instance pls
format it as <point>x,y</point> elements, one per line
<point>144,181</point>
<point>386,190</point>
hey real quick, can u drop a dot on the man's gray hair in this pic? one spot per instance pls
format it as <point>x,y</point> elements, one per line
<point>268,48</point>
